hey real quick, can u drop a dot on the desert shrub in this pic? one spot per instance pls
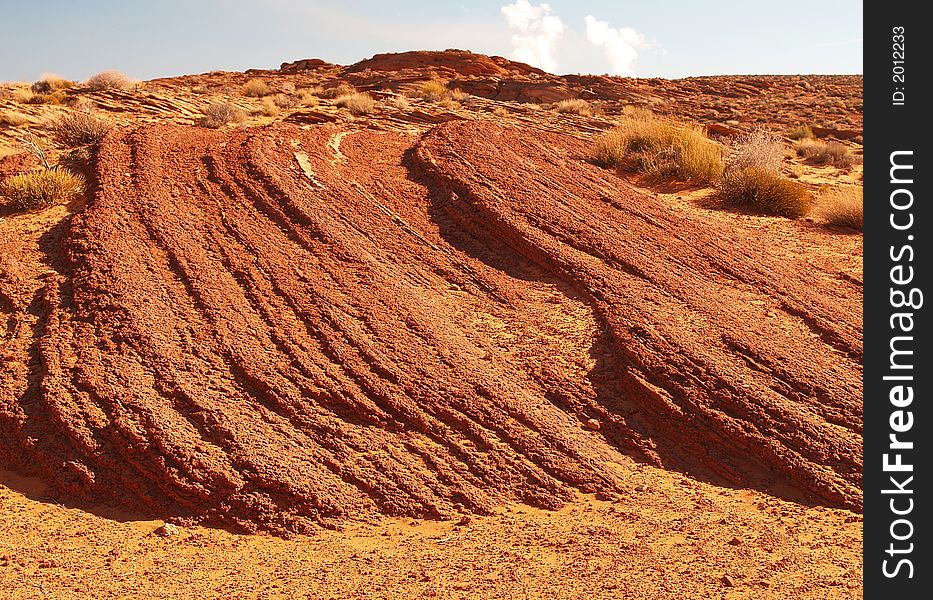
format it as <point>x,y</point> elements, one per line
<point>27,96</point>
<point>457,95</point>
<point>823,153</point>
<point>637,112</point>
<point>219,114</point>
<point>765,190</point>
<point>660,148</point>
<point>12,118</point>
<point>433,90</point>
<point>256,88</point>
<point>576,106</point>
<point>295,99</point>
<point>341,89</point>
<point>400,102</point>
<point>268,107</point>
<point>760,149</point>
<point>842,205</point>
<point>357,104</point>
<point>500,111</point>
<point>108,80</point>
<point>51,83</point>
<point>80,127</point>
<point>448,103</point>
<point>41,189</point>
<point>800,132</point>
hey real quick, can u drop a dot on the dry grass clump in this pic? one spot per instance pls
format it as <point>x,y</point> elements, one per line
<point>842,205</point>
<point>823,153</point>
<point>433,90</point>
<point>661,148</point>
<point>500,111</point>
<point>357,104</point>
<point>341,89</point>
<point>27,96</point>
<point>765,190</point>
<point>759,148</point>
<point>295,99</point>
<point>256,88</point>
<point>41,189</point>
<point>51,83</point>
<point>752,177</point>
<point>437,91</point>
<point>13,119</point>
<point>457,95</point>
<point>219,114</point>
<point>80,127</point>
<point>576,106</point>
<point>108,80</point>
<point>800,132</point>
<point>268,107</point>
<point>400,102</point>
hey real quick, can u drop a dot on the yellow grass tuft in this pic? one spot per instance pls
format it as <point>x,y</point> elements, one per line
<point>765,190</point>
<point>660,148</point>
<point>457,95</point>
<point>842,205</point>
<point>12,118</point>
<point>357,104</point>
<point>41,189</point>
<point>341,89</point>
<point>433,90</point>
<point>800,132</point>
<point>268,107</point>
<point>256,88</point>
<point>400,102</point>
<point>51,83</point>
<point>27,96</point>
<point>576,106</point>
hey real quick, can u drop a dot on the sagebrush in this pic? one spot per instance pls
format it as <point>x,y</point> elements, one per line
<point>108,80</point>
<point>80,127</point>
<point>826,153</point>
<point>219,114</point>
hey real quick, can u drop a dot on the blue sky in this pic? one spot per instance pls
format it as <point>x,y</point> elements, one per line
<point>661,38</point>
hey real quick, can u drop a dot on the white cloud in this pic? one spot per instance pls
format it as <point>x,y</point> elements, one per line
<point>620,45</point>
<point>536,33</point>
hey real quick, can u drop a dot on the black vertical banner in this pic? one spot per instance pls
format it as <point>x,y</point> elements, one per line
<point>898,263</point>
